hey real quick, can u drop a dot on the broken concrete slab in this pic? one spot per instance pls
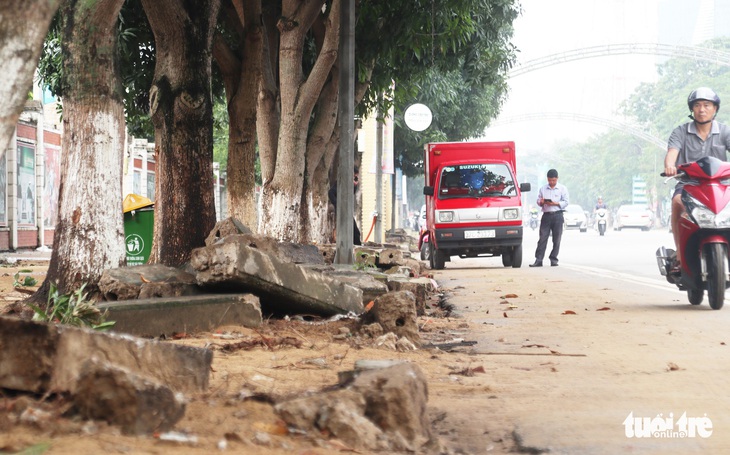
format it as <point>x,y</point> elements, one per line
<point>175,315</point>
<point>282,287</point>
<point>145,281</point>
<point>39,357</point>
<point>390,257</point>
<point>135,403</point>
<point>370,287</point>
<point>295,253</point>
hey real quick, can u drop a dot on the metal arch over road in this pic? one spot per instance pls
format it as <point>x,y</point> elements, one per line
<point>697,53</point>
<point>620,126</point>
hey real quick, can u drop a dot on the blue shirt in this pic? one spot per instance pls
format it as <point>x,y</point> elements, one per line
<point>557,194</point>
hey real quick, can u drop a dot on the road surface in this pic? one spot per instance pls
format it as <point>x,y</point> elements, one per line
<point>581,358</point>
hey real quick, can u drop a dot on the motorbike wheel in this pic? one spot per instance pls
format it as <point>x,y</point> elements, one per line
<point>695,296</point>
<point>517,257</point>
<point>716,274</point>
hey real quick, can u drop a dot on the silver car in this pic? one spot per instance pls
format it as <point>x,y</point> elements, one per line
<point>575,218</point>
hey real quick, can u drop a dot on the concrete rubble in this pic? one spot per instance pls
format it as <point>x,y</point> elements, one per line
<point>44,358</point>
<point>236,279</point>
<point>381,408</point>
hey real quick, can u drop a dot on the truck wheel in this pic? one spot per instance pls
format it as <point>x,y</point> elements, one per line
<point>436,259</point>
<point>507,258</point>
<point>517,257</point>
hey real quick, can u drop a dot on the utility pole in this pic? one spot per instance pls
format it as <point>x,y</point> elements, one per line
<point>379,174</point>
<point>346,114</point>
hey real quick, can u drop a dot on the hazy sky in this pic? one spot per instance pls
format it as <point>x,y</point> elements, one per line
<point>593,86</point>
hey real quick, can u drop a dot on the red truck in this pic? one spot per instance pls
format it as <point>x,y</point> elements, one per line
<point>473,203</point>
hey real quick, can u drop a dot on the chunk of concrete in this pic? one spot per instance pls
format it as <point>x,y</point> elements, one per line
<point>167,316</point>
<point>39,357</point>
<point>145,281</point>
<point>295,253</point>
<point>396,312</point>
<point>137,404</point>
<point>418,288</point>
<point>282,287</point>
<point>224,228</point>
<point>378,409</point>
<point>370,287</point>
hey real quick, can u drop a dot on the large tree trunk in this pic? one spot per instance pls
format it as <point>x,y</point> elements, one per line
<point>281,198</point>
<point>182,113</point>
<point>23,26</point>
<point>241,74</point>
<point>89,235</point>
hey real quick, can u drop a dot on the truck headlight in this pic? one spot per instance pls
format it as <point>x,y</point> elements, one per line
<point>511,214</point>
<point>446,217</point>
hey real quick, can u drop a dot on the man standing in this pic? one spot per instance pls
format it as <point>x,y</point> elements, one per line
<point>703,136</point>
<point>553,198</point>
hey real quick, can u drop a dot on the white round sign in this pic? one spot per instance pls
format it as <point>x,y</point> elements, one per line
<point>418,117</point>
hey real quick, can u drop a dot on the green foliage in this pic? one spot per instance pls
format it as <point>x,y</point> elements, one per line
<point>452,56</point>
<point>23,281</point>
<point>71,309</point>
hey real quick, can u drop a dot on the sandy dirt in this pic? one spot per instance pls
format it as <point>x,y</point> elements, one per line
<point>559,363</point>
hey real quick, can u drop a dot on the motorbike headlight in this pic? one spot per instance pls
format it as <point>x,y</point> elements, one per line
<point>446,217</point>
<point>511,214</point>
<point>706,218</point>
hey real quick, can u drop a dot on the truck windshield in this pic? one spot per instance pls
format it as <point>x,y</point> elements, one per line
<point>476,180</point>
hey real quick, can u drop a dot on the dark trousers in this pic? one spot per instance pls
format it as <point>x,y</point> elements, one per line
<point>551,222</point>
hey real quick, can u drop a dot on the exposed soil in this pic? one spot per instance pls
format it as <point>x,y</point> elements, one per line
<point>282,358</point>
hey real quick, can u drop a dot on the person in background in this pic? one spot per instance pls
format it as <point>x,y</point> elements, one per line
<point>553,198</point>
<point>701,137</point>
<point>600,204</point>
<point>332,194</point>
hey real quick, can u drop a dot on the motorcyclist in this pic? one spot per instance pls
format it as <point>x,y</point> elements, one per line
<point>703,136</point>
<point>600,205</point>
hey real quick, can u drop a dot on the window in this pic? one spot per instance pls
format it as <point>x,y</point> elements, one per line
<point>476,180</point>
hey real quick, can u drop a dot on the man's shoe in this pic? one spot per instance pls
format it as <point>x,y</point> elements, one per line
<point>536,264</point>
<point>554,264</point>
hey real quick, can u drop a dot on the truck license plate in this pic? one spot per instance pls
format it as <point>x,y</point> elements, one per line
<point>484,234</point>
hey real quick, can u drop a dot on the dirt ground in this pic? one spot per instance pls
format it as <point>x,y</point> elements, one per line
<point>221,419</point>
<point>562,358</point>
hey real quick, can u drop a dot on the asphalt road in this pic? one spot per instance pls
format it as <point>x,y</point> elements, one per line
<point>582,357</point>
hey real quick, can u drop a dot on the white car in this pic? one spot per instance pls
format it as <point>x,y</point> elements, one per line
<point>575,217</point>
<point>634,216</point>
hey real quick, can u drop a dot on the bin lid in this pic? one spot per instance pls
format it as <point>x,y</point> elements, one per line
<point>134,202</point>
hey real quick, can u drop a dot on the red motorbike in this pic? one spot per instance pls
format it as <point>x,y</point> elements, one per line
<point>704,232</point>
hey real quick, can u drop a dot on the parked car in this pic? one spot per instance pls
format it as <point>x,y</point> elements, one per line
<point>633,216</point>
<point>575,218</point>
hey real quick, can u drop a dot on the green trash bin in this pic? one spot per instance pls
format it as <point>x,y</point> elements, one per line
<point>139,222</point>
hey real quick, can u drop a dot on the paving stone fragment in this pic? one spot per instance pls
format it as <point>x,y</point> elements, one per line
<point>38,357</point>
<point>175,315</point>
<point>396,313</point>
<point>148,280</point>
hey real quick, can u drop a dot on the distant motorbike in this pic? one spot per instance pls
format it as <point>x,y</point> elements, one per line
<point>704,234</point>
<point>533,220</point>
<point>601,220</point>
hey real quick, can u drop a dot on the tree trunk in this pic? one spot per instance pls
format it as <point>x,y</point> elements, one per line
<point>89,236</point>
<point>182,113</point>
<point>23,26</point>
<point>281,198</point>
<point>242,73</point>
